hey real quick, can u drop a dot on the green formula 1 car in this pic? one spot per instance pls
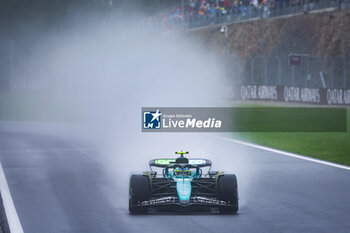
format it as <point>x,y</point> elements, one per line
<point>182,183</point>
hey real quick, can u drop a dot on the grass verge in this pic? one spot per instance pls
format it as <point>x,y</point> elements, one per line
<point>329,146</point>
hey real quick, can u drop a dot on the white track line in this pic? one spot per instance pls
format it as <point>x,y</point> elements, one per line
<point>10,209</point>
<point>287,153</point>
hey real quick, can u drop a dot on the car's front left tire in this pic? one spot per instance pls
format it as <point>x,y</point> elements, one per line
<point>228,192</point>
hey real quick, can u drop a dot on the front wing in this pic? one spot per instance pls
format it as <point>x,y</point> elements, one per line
<point>174,201</point>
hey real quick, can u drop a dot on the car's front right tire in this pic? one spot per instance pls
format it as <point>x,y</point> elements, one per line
<point>139,191</point>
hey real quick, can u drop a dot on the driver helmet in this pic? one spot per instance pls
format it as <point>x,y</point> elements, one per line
<point>178,171</point>
<point>187,171</point>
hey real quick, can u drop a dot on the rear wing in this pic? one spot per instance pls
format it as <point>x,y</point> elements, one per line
<point>167,162</point>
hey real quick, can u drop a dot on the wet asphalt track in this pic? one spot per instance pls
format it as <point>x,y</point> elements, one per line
<point>59,185</point>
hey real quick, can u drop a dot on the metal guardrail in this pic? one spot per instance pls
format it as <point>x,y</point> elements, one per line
<point>310,72</point>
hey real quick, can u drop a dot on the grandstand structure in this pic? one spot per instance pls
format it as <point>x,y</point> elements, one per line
<point>193,14</point>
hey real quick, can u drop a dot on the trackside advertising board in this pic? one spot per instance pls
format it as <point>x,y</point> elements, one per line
<point>321,96</point>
